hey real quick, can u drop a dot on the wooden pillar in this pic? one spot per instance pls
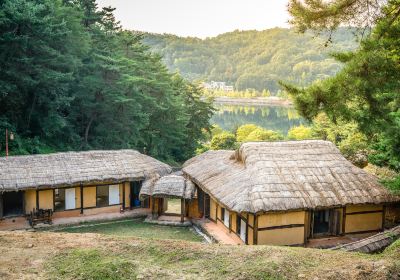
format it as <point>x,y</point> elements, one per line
<point>247,230</point>
<point>37,199</point>
<point>1,205</point>
<point>344,221</point>
<point>131,198</point>
<point>81,187</point>
<point>23,202</point>
<point>160,206</point>
<point>312,224</point>
<point>255,229</point>
<point>153,207</point>
<point>182,210</point>
<point>204,205</point>
<point>307,226</point>
<point>230,221</point>
<point>123,196</point>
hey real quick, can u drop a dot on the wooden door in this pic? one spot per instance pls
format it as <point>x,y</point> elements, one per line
<point>335,222</point>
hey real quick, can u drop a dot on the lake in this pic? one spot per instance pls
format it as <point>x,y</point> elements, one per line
<point>277,118</point>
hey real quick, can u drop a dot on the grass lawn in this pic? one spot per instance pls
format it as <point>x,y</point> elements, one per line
<point>174,206</point>
<point>134,228</point>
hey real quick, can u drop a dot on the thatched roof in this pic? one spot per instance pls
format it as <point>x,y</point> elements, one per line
<point>170,186</point>
<point>75,168</point>
<point>280,176</point>
<point>148,186</point>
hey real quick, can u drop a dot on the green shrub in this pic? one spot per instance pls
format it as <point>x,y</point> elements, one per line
<point>300,133</point>
<point>261,134</point>
<point>223,141</point>
<point>243,131</point>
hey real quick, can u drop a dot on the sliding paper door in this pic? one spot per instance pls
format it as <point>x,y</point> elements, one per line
<point>70,199</point>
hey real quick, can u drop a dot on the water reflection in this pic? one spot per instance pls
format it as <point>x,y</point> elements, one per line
<point>281,119</point>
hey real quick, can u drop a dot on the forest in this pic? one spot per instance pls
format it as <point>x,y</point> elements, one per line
<point>72,79</point>
<point>253,59</point>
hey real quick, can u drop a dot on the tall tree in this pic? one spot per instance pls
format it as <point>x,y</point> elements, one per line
<point>71,78</point>
<point>40,48</point>
<point>367,90</point>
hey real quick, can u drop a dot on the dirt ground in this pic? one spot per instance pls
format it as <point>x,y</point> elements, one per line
<point>30,255</point>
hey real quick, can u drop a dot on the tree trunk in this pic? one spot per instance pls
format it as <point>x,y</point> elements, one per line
<point>87,129</point>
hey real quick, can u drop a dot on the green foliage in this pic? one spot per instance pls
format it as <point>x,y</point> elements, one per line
<point>329,15</point>
<point>215,129</point>
<point>393,184</point>
<point>71,79</point>
<point>346,135</point>
<point>300,133</point>
<point>261,134</point>
<point>84,264</point>
<point>252,59</point>
<point>367,90</point>
<point>243,131</point>
<point>223,141</point>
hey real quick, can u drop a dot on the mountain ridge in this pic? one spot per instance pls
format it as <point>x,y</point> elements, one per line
<point>252,59</point>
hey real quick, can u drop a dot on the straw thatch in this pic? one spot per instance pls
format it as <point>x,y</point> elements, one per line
<point>280,176</point>
<point>75,168</point>
<point>170,186</point>
<point>372,244</point>
<point>148,186</point>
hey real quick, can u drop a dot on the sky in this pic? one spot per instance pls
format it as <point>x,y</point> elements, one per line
<point>199,18</point>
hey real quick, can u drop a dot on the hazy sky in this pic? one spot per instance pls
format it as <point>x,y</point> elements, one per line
<point>200,18</point>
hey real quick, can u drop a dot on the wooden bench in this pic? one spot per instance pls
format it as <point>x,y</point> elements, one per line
<point>38,216</point>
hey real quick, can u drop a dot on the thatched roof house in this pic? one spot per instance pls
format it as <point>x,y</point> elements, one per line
<point>74,184</point>
<point>286,193</point>
<point>280,176</point>
<point>75,168</point>
<point>169,186</point>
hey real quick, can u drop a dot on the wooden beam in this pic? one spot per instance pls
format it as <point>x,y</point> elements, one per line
<point>23,203</point>
<point>230,221</point>
<point>130,197</point>
<point>247,230</point>
<point>1,205</point>
<point>160,206</point>
<point>364,212</point>
<point>280,227</point>
<point>37,199</point>
<point>307,226</point>
<point>255,230</point>
<point>344,221</point>
<point>81,193</point>
<point>182,210</point>
<point>123,196</point>
<point>312,224</point>
<point>204,205</point>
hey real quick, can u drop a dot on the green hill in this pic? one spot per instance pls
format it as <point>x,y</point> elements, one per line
<point>252,59</point>
<point>66,256</point>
